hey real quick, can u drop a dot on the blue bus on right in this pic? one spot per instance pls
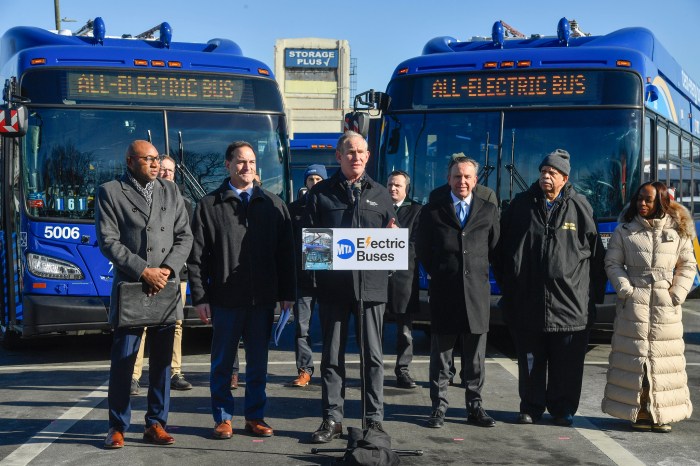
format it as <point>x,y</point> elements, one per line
<point>619,103</point>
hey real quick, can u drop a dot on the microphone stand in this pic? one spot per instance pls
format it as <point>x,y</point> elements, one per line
<point>357,194</point>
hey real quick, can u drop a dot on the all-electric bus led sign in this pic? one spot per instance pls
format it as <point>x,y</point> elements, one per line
<point>156,88</point>
<point>532,87</point>
<point>517,88</point>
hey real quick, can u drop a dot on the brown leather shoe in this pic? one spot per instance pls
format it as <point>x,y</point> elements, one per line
<point>301,381</point>
<point>115,438</point>
<point>258,427</point>
<point>156,434</point>
<point>223,430</point>
<point>234,382</point>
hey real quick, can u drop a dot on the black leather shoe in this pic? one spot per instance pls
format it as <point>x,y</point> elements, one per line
<point>405,381</point>
<point>479,417</point>
<point>436,419</point>
<point>524,418</point>
<point>375,425</point>
<point>328,431</point>
<point>563,421</point>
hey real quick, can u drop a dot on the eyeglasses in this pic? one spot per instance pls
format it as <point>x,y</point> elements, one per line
<point>148,159</point>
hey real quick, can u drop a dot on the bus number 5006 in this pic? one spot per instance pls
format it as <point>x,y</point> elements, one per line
<point>62,232</point>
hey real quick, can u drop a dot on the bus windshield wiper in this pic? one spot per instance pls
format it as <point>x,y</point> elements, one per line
<point>187,175</point>
<point>486,170</point>
<point>514,174</point>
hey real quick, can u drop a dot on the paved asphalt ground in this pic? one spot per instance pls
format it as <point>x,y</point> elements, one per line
<point>53,410</point>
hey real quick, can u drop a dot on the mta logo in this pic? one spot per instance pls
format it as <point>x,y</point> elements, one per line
<point>345,249</point>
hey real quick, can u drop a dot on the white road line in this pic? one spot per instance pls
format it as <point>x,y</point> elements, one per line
<point>692,312</point>
<point>53,367</point>
<point>609,447</point>
<point>39,442</point>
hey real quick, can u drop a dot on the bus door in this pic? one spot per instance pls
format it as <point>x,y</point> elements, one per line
<point>10,308</point>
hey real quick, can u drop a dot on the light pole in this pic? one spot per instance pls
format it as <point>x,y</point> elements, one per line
<point>57,14</point>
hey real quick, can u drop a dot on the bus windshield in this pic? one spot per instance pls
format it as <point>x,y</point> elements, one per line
<point>603,143</point>
<point>68,153</point>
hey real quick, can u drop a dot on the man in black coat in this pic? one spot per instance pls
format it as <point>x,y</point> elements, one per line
<point>241,266</point>
<point>457,233</point>
<point>403,284</point>
<point>549,266</point>
<point>333,203</point>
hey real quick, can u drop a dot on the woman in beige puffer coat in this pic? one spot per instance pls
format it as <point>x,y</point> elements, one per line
<point>651,265</point>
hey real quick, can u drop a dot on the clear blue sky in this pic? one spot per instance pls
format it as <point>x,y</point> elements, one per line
<point>381,32</point>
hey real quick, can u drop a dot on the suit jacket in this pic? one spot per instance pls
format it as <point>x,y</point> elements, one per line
<point>134,236</point>
<point>403,284</point>
<point>457,259</point>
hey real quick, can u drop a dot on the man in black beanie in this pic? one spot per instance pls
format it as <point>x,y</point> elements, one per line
<point>549,266</point>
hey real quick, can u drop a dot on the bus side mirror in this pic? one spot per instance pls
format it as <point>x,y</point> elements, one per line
<point>651,92</point>
<point>13,121</point>
<point>357,122</point>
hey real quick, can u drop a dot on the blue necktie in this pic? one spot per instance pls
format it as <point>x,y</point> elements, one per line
<point>244,199</point>
<point>462,212</point>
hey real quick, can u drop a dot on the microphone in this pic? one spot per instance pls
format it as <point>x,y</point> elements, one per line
<point>356,191</point>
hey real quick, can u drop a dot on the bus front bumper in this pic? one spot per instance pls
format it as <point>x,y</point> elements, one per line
<point>43,315</point>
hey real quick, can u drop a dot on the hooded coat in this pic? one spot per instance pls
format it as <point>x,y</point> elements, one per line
<point>652,267</point>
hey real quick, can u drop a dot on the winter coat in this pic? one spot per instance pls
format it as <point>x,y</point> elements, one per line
<point>457,259</point>
<point>652,268</point>
<point>403,284</point>
<point>242,257</point>
<point>329,206</point>
<point>134,235</point>
<point>549,264</point>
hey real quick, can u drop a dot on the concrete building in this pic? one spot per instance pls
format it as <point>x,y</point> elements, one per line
<point>314,78</point>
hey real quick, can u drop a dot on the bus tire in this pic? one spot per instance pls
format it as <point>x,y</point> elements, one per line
<point>11,340</point>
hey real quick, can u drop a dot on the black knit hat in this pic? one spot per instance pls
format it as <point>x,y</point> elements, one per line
<point>558,159</point>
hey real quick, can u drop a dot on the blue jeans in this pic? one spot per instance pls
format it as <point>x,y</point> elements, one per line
<point>125,346</point>
<point>254,324</point>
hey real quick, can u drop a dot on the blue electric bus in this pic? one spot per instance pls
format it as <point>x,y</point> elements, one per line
<point>86,98</point>
<point>619,103</point>
<point>309,148</point>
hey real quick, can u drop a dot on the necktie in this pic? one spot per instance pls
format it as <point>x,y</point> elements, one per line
<point>396,208</point>
<point>244,199</point>
<point>462,212</point>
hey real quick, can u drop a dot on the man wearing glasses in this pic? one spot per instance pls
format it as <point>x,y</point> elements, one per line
<point>143,229</point>
<point>177,378</point>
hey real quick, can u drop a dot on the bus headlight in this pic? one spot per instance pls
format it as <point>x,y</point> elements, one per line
<point>48,267</point>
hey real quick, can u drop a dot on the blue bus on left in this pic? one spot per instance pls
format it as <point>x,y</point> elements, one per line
<point>84,99</point>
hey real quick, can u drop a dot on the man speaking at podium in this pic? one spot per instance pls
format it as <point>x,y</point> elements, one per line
<point>333,203</point>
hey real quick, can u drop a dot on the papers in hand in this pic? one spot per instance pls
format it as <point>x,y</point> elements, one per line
<point>281,322</point>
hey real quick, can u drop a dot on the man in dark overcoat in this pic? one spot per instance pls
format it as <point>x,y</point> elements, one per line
<point>549,266</point>
<point>350,199</point>
<point>143,229</point>
<point>403,284</point>
<point>241,266</point>
<point>457,233</point>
